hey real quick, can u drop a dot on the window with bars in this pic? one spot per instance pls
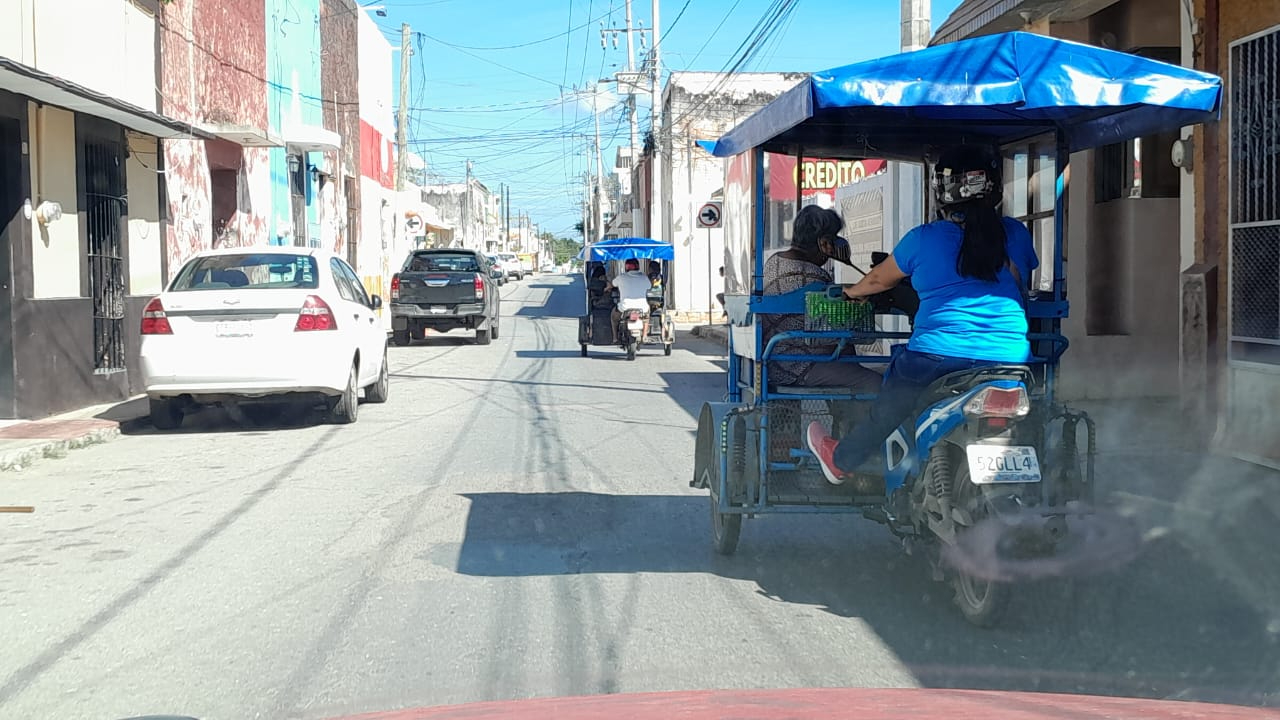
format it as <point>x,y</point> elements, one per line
<point>1254,113</point>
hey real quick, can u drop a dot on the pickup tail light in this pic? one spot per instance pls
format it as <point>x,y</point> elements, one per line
<point>479,280</point>
<point>315,315</point>
<point>154,320</point>
<point>395,287</point>
<point>994,402</point>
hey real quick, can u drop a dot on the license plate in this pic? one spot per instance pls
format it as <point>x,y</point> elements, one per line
<point>635,326</point>
<point>992,464</point>
<point>438,309</point>
<point>233,329</point>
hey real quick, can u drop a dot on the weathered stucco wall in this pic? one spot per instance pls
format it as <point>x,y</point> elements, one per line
<point>210,77</point>
<point>340,83</point>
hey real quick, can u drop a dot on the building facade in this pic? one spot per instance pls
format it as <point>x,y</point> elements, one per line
<point>81,221</point>
<point>217,190</point>
<point>340,113</point>
<point>698,106</point>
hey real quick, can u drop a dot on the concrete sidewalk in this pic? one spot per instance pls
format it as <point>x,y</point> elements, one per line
<point>23,442</point>
<point>718,332</point>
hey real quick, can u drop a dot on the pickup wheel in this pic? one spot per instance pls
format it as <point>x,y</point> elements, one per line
<point>400,338</point>
<point>483,337</point>
<point>493,329</point>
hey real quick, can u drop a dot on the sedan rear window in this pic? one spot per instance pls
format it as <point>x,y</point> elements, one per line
<point>251,271</point>
<point>442,262</point>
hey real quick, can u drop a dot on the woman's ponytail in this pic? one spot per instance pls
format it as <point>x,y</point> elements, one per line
<point>983,251</point>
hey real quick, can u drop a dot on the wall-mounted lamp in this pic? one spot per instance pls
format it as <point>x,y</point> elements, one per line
<point>48,212</point>
<point>294,162</point>
<point>1181,154</point>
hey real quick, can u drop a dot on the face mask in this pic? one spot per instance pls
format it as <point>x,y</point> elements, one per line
<point>840,251</point>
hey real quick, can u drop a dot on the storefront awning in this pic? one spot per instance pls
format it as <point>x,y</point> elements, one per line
<point>243,135</point>
<point>311,138</point>
<point>52,90</point>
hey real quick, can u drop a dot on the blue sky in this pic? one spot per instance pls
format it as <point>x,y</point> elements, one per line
<point>513,110</point>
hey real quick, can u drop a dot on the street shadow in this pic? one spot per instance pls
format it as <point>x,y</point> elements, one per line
<point>1164,627</point>
<point>447,339</point>
<point>524,383</point>
<point>249,422</point>
<point>691,389</point>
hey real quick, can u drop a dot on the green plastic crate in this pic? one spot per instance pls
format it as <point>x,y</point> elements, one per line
<point>824,313</point>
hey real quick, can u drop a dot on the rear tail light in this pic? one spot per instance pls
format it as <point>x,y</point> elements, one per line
<point>999,402</point>
<point>479,287</point>
<point>634,315</point>
<point>395,287</point>
<point>315,315</point>
<point>154,321</point>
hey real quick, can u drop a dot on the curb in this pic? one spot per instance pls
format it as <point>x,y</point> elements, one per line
<point>18,459</point>
<point>713,333</point>
<point>23,443</point>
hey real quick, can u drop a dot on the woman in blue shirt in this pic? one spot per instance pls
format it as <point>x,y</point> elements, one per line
<point>970,269</point>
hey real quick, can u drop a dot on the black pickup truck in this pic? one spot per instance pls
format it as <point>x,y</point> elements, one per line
<point>444,289</point>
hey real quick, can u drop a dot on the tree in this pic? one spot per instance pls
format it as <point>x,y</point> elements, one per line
<point>565,249</point>
<point>580,228</point>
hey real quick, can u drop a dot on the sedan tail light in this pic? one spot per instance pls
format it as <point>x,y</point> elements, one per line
<point>154,320</point>
<point>999,402</point>
<point>479,287</point>
<point>315,315</point>
<point>395,287</point>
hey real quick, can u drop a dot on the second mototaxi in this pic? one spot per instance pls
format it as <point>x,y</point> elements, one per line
<point>611,320</point>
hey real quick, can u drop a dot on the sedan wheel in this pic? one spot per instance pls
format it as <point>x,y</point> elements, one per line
<point>378,392</point>
<point>346,408</point>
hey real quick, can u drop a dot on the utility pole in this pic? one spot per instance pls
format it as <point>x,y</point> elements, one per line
<point>599,192</point>
<point>656,200</point>
<point>402,112</point>
<point>631,68</point>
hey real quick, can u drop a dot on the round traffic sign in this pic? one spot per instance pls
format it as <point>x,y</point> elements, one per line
<point>709,215</point>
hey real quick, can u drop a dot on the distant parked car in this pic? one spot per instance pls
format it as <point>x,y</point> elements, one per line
<point>500,275</point>
<point>511,265</point>
<point>272,323</point>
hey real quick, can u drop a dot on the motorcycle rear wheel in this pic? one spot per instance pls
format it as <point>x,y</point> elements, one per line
<point>982,602</point>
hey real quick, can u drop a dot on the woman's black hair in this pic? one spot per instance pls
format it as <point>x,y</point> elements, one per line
<point>811,223</point>
<point>974,205</point>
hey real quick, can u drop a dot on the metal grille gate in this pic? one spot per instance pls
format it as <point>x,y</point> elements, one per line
<point>1255,190</point>
<point>105,198</point>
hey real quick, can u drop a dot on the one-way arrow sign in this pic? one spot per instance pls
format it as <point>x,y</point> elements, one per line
<point>709,215</point>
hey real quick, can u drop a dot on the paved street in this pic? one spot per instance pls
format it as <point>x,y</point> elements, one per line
<point>516,522</point>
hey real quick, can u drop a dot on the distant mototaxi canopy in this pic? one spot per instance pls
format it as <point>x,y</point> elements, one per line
<point>628,248</point>
<point>996,89</point>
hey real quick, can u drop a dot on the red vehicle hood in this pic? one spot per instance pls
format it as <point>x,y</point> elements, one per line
<point>862,704</point>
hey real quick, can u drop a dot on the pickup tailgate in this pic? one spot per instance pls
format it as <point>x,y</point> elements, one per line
<point>443,289</point>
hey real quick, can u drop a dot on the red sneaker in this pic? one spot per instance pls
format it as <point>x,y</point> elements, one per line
<point>823,447</point>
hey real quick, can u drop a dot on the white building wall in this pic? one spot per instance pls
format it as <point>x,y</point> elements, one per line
<point>702,106</point>
<point>375,58</point>
<point>88,42</point>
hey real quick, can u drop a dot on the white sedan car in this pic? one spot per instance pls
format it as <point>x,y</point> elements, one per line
<point>246,324</point>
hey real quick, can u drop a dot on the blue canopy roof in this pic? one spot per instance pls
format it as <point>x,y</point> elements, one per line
<point>996,88</point>
<point>628,248</point>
